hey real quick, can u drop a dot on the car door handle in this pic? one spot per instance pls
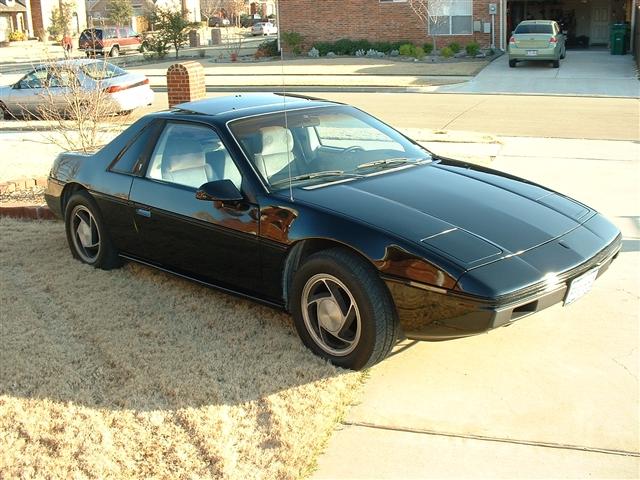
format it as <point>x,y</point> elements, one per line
<point>143,212</point>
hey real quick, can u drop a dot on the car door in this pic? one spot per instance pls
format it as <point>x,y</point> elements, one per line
<point>28,94</point>
<point>212,241</point>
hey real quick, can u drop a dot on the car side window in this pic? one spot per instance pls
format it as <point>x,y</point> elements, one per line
<point>35,79</point>
<point>133,157</point>
<point>62,78</point>
<point>191,155</point>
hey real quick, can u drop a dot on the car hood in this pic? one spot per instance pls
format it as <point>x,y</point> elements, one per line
<point>472,216</point>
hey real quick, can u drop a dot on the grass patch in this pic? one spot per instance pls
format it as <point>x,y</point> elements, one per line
<point>134,373</point>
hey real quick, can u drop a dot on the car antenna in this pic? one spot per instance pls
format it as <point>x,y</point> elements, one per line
<point>284,109</point>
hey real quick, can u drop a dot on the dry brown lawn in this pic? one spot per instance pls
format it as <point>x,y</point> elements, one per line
<point>134,373</point>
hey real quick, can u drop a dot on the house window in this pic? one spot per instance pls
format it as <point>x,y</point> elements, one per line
<point>451,17</point>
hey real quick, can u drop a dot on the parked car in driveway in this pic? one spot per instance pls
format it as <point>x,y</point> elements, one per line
<point>109,41</point>
<point>537,40</point>
<point>58,84</point>
<point>322,210</point>
<point>264,28</point>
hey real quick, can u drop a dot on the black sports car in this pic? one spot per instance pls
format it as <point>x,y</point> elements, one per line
<point>317,208</point>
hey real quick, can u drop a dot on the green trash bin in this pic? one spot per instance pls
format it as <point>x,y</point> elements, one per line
<point>618,40</point>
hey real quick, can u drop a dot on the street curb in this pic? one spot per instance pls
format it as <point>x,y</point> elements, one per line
<point>28,212</point>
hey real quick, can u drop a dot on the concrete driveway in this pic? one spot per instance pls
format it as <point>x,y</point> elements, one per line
<point>582,72</point>
<point>553,396</point>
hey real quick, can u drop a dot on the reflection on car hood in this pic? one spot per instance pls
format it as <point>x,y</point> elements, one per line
<point>471,216</point>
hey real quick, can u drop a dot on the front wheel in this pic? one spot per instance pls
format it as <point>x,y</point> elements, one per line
<point>86,233</point>
<point>512,63</point>
<point>342,310</point>
<point>555,64</point>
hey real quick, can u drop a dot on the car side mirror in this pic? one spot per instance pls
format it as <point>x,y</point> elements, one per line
<point>220,191</point>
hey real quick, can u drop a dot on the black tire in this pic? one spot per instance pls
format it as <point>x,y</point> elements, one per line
<point>564,54</point>
<point>104,255</point>
<point>4,112</point>
<point>555,64</point>
<point>114,52</point>
<point>377,327</point>
<point>512,63</point>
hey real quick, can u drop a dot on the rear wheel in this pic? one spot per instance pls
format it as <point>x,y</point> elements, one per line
<point>342,310</point>
<point>4,112</point>
<point>555,64</point>
<point>114,52</point>
<point>86,233</point>
<point>564,54</point>
<point>512,63</point>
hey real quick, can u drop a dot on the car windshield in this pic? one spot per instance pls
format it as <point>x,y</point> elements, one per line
<point>534,28</point>
<point>102,70</point>
<point>322,144</point>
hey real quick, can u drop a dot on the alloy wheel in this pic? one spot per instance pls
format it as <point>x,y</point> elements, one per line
<point>85,234</point>
<point>331,314</point>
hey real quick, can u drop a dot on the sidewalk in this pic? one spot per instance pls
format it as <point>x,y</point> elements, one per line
<point>554,396</point>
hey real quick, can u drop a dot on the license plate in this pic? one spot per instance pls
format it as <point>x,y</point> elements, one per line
<point>580,286</point>
<point>532,53</point>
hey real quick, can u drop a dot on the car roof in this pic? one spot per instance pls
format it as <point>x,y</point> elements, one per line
<point>528,22</point>
<point>247,104</point>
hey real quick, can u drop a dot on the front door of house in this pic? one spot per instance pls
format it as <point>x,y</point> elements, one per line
<point>599,25</point>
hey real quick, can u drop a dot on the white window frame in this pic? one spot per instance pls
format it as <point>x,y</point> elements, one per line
<point>450,16</point>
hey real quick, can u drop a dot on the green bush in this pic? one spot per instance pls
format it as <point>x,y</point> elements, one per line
<point>361,45</point>
<point>418,53</point>
<point>446,52</point>
<point>384,47</point>
<point>293,40</point>
<point>16,36</point>
<point>407,50</point>
<point>268,49</point>
<point>454,47</point>
<point>344,46</point>
<point>472,49</point>
<point>323,47</point>
<point>428,48</point>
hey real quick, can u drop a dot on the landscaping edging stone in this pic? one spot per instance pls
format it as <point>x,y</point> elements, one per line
<point>28,212</point>
<point>16,208</point>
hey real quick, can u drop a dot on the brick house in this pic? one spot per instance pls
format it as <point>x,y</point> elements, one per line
<point>461,21</point>
<point>12,17</point>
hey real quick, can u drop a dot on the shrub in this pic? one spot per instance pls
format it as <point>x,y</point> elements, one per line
<point>323,47</point>
<point>418,53</point>
<point>267,49</point>
<point>293,40</point>
<point>454,47</point>
<point>428,48</point>
<point>362,45</point>
<point>16,36</point>
<point>384,47</point>
<point>472,49</point>
<point>446,52</point>
<point>407,50</point>
<point>360,53</point>
<point>314,53</point>
<point>344,46</point>
<point>394,53</point>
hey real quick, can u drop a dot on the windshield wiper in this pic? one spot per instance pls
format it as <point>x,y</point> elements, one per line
<point>390,161</point>
<point>309,176</point>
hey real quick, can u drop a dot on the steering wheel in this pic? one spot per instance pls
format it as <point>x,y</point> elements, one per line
<point>353,149</point>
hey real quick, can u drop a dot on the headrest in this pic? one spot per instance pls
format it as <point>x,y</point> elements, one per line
<point>276,140</point>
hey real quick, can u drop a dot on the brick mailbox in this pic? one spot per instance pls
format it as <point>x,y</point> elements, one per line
<point>185,82</point>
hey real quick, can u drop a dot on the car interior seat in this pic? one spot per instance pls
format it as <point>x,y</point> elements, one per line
<point>277,150</point>
<point>184,163</point>
<point>219,166</point>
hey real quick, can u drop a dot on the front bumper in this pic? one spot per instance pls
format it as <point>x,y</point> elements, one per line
<point>430,313</point>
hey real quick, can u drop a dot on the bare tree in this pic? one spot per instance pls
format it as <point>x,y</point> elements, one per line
<point>210,8</point>
<point>233,9</point>
<point>429,13</point>
<point>78,116</point>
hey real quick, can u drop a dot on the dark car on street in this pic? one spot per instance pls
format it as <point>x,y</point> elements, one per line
<point>322,210</point>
